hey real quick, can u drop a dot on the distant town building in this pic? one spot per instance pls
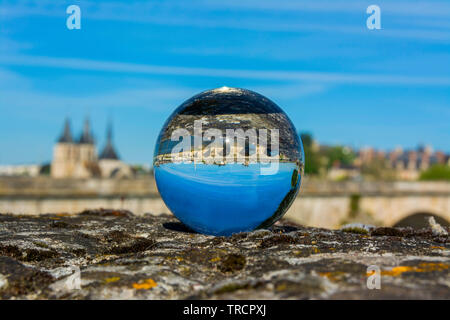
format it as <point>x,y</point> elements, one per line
<point>340,171</point>
<point>78,158</point>
<point>397,164</point>
<point>110,163</point>
<point>220,154</point>
<point>406,164</point>
<point>32,170</point>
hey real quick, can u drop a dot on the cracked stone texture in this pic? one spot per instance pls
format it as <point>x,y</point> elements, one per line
<point>122,256</point>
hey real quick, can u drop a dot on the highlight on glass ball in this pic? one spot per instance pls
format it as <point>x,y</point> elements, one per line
<point>228,160</point>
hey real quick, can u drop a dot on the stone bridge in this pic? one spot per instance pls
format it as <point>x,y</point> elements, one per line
<point>320,203</point>
<point>331,204</point>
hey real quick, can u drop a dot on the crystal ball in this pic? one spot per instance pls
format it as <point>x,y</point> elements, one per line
<point>228,160</point>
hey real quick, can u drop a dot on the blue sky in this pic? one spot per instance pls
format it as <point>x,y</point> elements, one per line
<point>136,61</point>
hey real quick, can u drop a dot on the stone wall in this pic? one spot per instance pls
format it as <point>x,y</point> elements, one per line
<point>320,204</point>
<point>47,187</point>
<point>112,255</point>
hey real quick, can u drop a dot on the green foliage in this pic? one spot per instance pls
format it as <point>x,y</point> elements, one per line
<point>378,169</point>
<point>45,169</point>
<point>315,160</point>
<point>356,230</point>
<point>141,170</point>
<point>354,204</point>
<point>306,139</point>
<point>339,154</point>
<point>312,157</point>
<point>436,172</point>
<point>294,178</point>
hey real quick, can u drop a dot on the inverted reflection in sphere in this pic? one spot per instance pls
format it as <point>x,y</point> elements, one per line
<point>228,160</point>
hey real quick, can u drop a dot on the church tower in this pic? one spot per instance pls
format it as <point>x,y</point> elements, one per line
<point>87,154</point>
<point>64,154</point>
<point>110,164</point>
<point>86,144</point>
<point>109,153</point>
<point>78,159</point>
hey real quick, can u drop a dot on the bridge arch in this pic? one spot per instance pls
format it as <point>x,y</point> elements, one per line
<point>419,219</point>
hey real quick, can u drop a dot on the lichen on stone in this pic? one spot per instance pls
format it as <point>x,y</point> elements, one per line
<point>122,256</point>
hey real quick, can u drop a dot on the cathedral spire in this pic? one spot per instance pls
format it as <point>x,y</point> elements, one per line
<point>86,136</point>
<point>109,152</point>
<point>109,133</point>
<point>66,136</point>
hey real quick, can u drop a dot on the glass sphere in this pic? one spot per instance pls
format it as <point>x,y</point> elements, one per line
<point>228,160</point>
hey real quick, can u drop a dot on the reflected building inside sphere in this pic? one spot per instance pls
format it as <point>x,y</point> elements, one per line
<point>228,160</point>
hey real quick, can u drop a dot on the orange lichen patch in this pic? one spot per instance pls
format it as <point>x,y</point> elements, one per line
<point>429,266</point>
<point>437,247</point>
<point>112,279</point>
<point>395,272</point>
<point>215,259</point>
<point>178,258</point>
<point>62,214</point>
<point>145,285</point>
<point>332,276</point>
<point>281,287</point>
<point>423,267</point>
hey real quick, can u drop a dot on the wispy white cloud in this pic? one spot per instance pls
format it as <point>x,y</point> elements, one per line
<point>399,7</point>
<point>155,99</point>
<point>9,46</point>
<point>258,15</point>
<point>292,91</point>
<point>280,75</point>
<point>19,93</point>
<point>434,8</point>
<point>11,80</point>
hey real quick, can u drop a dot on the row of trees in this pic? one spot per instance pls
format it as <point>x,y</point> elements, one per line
<point>320,160</point>
<point>436,172</point>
